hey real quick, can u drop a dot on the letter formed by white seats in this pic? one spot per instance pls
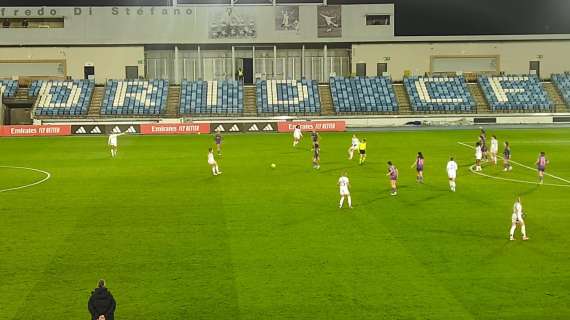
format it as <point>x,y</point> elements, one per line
<point>302,92</point>
<point>46,97</point>
<point>500,92</point>
<point>421,88</point>
<point>212,95</point>
<point>143,97</point>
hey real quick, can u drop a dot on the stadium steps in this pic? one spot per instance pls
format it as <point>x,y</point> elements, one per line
<point>22,95</point>
<point>403,99</point>
<point>327,107</point>
<point>555,96</point>
<point>96,99</point>
<point>480,101</point>
<point>250,101</point>
<point>173,102</point>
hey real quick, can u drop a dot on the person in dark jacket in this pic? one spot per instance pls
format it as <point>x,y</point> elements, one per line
<point>101,303</point>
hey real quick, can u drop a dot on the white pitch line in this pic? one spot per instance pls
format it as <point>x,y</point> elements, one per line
<point>471,168</point>
<point>47,176</point>
<point>524,166</point>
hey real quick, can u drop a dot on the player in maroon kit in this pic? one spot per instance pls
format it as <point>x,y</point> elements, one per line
<point>419,164</point>
<point>541,163</point>
<point>393,174</point>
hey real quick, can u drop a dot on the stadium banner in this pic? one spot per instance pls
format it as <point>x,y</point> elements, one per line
<point>320,126</point>
<point>104,129</point>
<point>175,128</point>
<point>230,127</point>
<point>35,131</point>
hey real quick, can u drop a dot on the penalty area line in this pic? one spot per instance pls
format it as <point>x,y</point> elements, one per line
<point>516,180</point>
<point>472,169</point>
<point>47,177</point>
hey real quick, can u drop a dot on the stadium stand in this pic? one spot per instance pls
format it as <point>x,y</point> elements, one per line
<point>288,97</point>
<point>363,95</point>
<point>515,93</point>
<point>562,83</point>
<point>211,97</point>
<point>439,94</point>
<point>135,97</point>
<point>9,87</point>
<point>61,98</point>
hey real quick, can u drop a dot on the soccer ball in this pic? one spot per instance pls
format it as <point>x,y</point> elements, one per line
<point>273,165</point>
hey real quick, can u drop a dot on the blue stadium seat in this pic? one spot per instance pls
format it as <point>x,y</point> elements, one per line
<point>62,98</point>
<point>439,94</point>
<point>363,95</point>
<point>9,87</point>
<point>211,97</point>
<point>515,93</point>
<point>288,97</point>
<point>562,82</point>
<point>135,97</point>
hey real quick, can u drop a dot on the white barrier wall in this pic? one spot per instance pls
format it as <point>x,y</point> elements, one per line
<point>109,62</point>
<point>184,24</point>
<point>514,56</point>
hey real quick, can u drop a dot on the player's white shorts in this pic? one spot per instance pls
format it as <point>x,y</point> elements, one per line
<point>451,174</point>
<point>514,220</point>
<point>493,150</point>
<point>213,162</point>
<point>297,136</point>
<point>344,191</point>
<point>478,156</point>
<point>113,144</point>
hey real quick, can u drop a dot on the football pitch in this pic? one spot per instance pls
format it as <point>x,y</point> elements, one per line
<point>175,242</point>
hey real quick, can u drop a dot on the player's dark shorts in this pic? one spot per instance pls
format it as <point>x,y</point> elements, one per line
<point>484,148</point>
<point>541,168</point>
<point>362,151</point>
<point>394,178</point>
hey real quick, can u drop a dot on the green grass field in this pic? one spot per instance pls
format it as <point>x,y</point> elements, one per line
<point>174,242</point>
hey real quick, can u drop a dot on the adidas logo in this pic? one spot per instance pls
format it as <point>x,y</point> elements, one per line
<point>268,127</point>
<point>253,128</point>
<point>95,130</point>
<point>131,129</point>
<point>81,130</point>
<point>116,130</point>
<point>220,128</point>
<point>234,128</point>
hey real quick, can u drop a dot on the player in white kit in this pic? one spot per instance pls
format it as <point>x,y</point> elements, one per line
<point>343,184</point>
<point>452,173</point>
<point>353,146</point>
<point>494,149</point>
<point>212,162</point>
<point>478,156</point>
<point>297,135</point>
<point>113,143</point>
<point>517,219</point>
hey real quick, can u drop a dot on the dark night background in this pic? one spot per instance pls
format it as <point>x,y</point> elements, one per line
<point>413,17</point>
